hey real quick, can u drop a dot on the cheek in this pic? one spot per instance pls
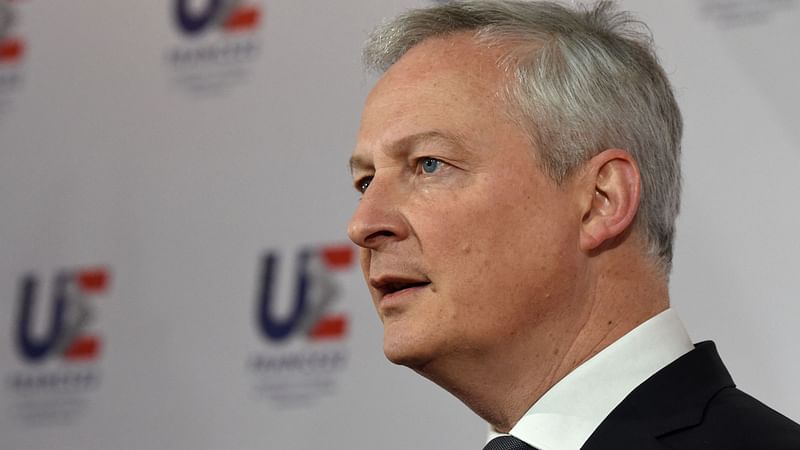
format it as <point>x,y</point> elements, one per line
<point>503,243</point>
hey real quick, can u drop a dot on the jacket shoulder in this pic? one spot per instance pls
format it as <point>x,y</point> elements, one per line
<point>735,420</point>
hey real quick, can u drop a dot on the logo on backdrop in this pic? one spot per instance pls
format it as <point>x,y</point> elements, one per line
<point>58,345</point>
<point>12,52</point>
<point>70,314</point>
<point>218,41</point>
<point>300,316</point>
<point>315,290</point>
<point>227,15</point>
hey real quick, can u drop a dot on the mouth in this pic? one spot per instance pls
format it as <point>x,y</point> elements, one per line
<point>395,286</point>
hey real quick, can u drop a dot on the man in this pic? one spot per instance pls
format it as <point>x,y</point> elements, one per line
<point>518,164</point>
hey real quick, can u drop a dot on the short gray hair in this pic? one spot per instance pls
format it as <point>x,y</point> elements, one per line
<point>585,80</point>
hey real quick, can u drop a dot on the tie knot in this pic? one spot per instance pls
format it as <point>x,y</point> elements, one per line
<point>507,443</point>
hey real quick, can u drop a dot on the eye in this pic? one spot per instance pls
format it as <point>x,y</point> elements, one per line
<point>363,183</point>
<point>430,165</point>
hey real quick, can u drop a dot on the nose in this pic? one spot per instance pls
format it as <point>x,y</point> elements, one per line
<point>378,220</point>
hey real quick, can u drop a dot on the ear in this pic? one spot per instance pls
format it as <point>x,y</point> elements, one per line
<point>611,197</point>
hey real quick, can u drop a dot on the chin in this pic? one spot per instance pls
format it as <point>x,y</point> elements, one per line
<point>407,351</point>
<point>412,362</point>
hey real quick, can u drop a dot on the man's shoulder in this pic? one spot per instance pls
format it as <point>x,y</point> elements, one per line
<point>693,403</point>
<point>732,420</point>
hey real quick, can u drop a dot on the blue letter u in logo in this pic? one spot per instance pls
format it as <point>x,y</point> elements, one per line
<point>272,328</point>
<point>30,347</point>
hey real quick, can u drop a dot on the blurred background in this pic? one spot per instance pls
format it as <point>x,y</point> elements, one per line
<point>174,193</point>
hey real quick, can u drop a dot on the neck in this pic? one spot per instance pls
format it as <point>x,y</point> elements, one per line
<point>501,385</point>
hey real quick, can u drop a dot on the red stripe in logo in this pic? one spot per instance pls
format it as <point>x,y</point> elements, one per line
<point>330,327</point>
<point>338,257</point>
<point>241,19</point>
<point>93,280</point>
<point>11,50</point>
<point>83,348</point>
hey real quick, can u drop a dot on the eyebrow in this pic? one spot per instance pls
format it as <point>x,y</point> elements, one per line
<point>358,162</point>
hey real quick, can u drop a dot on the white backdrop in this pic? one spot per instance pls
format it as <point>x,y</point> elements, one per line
<point>157,171</point>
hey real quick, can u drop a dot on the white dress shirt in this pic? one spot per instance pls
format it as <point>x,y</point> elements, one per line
<point>567,414</point>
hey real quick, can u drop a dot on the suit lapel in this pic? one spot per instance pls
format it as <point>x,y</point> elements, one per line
<point>672,399</point>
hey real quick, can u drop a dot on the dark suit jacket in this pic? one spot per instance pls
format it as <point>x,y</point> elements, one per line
<point>693,404</point>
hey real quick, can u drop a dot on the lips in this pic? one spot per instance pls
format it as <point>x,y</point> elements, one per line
<point>395,285</point>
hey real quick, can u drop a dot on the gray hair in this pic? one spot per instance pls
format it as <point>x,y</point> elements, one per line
<point>584,80</point>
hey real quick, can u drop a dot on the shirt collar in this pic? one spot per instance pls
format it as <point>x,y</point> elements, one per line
<point>567,414</point>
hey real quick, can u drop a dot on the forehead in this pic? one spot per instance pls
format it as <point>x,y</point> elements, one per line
<point>444,86</point>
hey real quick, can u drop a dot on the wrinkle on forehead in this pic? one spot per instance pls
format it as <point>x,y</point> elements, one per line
<point>430,83</point>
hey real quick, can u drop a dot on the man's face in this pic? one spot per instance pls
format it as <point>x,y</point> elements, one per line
<point>467,247</point>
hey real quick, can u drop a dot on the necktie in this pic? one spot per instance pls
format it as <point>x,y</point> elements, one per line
<point>507,443</point>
